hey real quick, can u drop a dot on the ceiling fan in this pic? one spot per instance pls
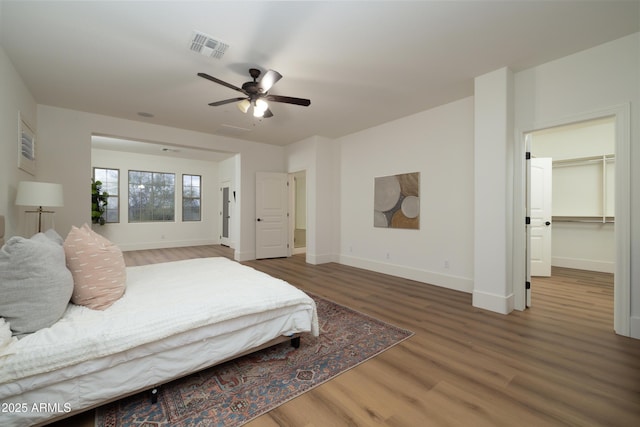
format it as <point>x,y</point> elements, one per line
<point>257,93</point>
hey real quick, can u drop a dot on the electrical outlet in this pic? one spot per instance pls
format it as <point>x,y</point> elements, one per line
<point>446,264</point>
<point>388,255</point>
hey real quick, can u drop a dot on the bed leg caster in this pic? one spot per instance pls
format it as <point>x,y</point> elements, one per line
<point>295,342</point>
<point>154,395</point>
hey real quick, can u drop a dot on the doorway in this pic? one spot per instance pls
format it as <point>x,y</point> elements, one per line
<point>586,212</point>
<point>225,213</point>
<point>298,223</point>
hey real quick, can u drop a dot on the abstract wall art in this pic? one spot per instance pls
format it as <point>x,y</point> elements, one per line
<point>396,201</point>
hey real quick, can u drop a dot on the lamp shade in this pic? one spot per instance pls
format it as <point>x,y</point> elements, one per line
<point>31,193</point>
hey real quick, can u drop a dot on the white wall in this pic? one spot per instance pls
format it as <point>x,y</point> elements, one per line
<point>65,147</point>
<point>301,201</point>
<point>328,196</point>
<point>492,191</point>
<point>319,158</point>
<point>15,100</point>
<point>438,143</point>
<point>598,79</point>
<point>134,236</point>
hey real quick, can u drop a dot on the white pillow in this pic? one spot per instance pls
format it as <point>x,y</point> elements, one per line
<point>6,338</point>
<point>35,283</point>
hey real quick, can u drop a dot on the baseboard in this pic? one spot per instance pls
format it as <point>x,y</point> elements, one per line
<point>244,256</point>
<point>584,264</point>
<point>492,302</point>
<point>443,280</point>
<point>320,259</point>
<point>296,251</point>
<point>634,327</point>
<point>165,244</point>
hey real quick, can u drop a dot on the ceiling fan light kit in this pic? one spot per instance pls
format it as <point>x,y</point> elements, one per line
<point>257,93</point>
<point>244,105</point>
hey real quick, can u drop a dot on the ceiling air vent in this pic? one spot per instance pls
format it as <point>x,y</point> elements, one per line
<point>207,46</point>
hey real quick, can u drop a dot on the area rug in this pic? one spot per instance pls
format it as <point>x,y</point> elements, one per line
<point>234,393</point>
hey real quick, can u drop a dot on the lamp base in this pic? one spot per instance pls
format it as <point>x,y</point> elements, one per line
<point>40,211</point>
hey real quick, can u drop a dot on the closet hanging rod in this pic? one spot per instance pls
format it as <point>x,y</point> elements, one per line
<point>593,220</point>
<point>584,160</point>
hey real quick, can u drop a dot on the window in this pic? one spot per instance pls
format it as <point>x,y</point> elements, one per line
<point>110,179</point>
<point>151,196</point>
<point>191,197</point>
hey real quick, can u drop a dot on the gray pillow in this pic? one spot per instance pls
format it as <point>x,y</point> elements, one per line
<point>35,284</point>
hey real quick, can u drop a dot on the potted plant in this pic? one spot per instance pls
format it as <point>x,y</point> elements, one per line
<point>99,200</point>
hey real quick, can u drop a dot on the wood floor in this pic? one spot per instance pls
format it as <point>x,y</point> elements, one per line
<point>558,363</point>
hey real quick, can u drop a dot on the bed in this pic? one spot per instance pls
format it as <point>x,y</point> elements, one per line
<point>173,319</point>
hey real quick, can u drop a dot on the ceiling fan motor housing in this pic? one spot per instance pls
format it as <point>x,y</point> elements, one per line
<point>252,88</point>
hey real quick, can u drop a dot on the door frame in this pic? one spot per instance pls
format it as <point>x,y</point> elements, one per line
<point>226,241</point>
<point>293,199</point>
<point>622,275</point>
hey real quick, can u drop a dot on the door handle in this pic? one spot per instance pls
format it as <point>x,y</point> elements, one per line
<point>259,219</point>
<point>547,223</point>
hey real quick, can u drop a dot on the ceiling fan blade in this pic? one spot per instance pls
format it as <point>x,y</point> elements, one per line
<point>267,113</point>
<point>267,81</point>
<point>288,100</point>
<point>226,101</point>
<point>220,82</point>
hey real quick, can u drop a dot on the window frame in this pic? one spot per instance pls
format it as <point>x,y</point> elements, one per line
<point>152,197</point>
<point>116,196</point>
<point>199,198</point>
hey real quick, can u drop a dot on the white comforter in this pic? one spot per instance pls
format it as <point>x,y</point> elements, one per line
<point>161,300</point>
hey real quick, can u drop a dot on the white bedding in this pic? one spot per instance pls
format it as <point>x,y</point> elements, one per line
<point>215,296</point>
<point>216,289</point>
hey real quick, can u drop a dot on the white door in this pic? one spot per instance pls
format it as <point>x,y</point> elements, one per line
<point>540,214</point>
<point>271,215</point>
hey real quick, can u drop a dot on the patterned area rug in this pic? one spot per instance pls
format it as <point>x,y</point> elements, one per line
<point>235,392</point>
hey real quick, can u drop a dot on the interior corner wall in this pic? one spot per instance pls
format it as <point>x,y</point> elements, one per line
<point>493,289</point>
<point>16,100</point>
<point>318,157</point>
<point>437,143</point>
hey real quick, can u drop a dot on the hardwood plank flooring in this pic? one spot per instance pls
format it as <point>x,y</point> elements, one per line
<point>558,363</point>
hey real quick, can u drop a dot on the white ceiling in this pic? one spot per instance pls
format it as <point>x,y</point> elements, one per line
<point>361,63</point>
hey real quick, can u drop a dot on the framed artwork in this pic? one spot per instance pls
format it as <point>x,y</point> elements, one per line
<point>26,147</point>
<point>397,201</point>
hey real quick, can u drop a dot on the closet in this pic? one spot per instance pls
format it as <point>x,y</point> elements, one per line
<point>583,193</point>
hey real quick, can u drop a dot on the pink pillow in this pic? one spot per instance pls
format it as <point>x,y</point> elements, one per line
<point>97,266</point>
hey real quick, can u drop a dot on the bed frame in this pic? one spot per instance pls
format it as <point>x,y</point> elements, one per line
<point>153,391</point>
